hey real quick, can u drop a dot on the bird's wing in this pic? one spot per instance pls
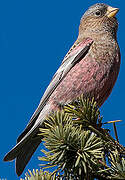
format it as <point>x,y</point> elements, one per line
<point>75,56</point>
<point>69,61</point>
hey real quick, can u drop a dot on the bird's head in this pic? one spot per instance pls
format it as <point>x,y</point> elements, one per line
<point>98,19</point>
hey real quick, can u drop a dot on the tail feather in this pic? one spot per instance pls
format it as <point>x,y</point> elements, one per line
<point>25,154</point>
<point>27,143</point>
<point>24,149</point>
<point>27,129</point>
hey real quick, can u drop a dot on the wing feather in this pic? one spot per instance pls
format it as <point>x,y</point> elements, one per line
<point>69,61</point>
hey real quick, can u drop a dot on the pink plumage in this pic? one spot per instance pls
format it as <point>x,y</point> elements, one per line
<point>90,68</point>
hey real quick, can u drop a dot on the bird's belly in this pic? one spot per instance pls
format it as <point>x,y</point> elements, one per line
<point>88,77</point>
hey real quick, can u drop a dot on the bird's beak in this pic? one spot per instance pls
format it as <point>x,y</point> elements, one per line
<point>111,11</point>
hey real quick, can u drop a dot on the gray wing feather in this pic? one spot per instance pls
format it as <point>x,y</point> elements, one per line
<point>65,67</point>
<point>25,145</point>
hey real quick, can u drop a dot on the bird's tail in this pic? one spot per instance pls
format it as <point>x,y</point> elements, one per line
<point>25,154</point>
<point>24,149</point>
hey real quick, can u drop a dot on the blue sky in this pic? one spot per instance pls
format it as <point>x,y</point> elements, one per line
<point>34,37</point>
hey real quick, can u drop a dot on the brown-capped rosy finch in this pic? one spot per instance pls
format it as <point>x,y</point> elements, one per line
<point>90,68</point>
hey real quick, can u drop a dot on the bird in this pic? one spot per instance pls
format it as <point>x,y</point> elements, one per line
<point>90,67</point>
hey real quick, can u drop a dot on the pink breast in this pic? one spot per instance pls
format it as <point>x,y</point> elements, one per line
<point>88,77</point>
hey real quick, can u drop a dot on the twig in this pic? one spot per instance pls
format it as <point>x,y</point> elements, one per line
<point>115,130</point>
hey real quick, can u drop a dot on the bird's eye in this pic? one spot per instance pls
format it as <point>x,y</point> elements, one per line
<point>98,13</point>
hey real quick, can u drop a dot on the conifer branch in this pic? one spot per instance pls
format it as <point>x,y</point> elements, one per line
<point>78,146</point>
